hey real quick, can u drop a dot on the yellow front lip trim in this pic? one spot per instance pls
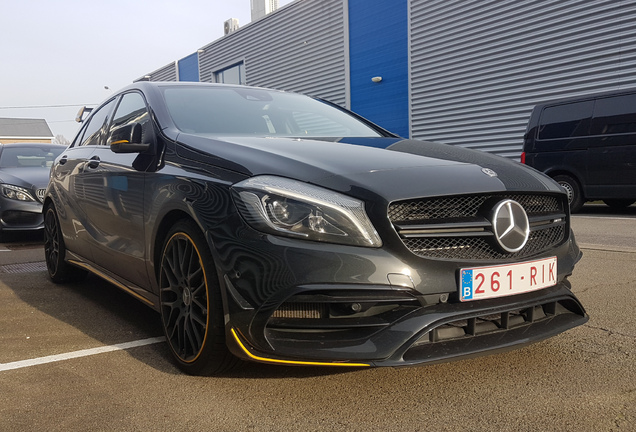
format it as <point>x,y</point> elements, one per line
<point>290,362</point>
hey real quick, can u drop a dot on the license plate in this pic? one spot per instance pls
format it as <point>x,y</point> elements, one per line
<point>498,281</point>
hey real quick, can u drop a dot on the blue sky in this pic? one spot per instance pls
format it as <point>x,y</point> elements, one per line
<point>55,53</point>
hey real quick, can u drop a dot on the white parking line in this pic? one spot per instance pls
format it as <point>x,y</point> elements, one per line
<point>607,248</point>
<point>81,353</point>
<point>604,217</point>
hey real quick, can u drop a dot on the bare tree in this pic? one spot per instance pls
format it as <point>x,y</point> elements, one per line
<point>61,139</point>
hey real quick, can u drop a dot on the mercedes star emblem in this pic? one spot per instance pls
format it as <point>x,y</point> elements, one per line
<point>511,226</point>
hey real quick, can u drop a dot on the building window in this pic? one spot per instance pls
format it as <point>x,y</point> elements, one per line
<point>232,75</point>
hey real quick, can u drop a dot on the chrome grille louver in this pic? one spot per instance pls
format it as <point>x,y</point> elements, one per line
<point>458,227</point>
<point>40,194</point>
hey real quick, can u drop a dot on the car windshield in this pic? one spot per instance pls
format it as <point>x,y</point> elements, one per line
<point>244,111</point>
<point>29,156</point>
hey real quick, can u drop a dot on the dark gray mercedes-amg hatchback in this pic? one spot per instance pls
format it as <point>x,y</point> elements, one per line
<point>274,227</point>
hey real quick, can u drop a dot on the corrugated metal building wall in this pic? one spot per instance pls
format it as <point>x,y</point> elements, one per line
<point>475,68</point>
<point>166,73</point>
<point>299,48</point>
<point>478,67</point>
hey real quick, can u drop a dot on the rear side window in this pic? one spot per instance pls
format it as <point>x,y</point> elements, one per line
<point>93,131</point>
<point>614,115</point>
<point>566,121</point>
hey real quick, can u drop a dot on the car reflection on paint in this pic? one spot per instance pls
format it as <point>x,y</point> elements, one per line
<point>24,174</point>
<point>273,227</point>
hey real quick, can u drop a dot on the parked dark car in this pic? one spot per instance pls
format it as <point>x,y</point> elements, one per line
<point>273,227</point>
<point>24,174</point>
<point>588,145</point>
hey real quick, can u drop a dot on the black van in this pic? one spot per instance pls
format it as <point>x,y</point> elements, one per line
<point>588,145</point>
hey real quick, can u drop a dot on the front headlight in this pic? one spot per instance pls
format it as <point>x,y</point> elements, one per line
<point>291,208</point>
<point>16,193</point>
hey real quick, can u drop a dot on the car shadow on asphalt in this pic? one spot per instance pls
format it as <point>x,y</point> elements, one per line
<point>599,209</point>
<point>105,313</point>
<point>94,308</point>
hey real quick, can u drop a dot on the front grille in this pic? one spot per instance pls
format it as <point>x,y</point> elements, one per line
<point>478,248</point>
<point>40,194</point>
<point>458,227</point>
<point>465,206</point>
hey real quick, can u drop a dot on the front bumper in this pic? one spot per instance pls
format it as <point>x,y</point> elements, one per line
<point>295,302</point>
<point>20,216</point>
<point>299,303</point>
<point>425,334</point>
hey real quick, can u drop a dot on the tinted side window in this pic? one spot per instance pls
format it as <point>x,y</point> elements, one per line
<point>565,121</point>
<point>614,115</point>
<point>78,139</point>
<point>132,109</point>
<point>93,132</point>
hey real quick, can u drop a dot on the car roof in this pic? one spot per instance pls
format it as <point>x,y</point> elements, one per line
<point>587,96</point>
<point>147,85</point>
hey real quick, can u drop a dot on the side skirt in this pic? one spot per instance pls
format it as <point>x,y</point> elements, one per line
<point>144,296</point>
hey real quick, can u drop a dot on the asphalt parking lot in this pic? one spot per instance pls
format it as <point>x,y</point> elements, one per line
<point>63,366</point>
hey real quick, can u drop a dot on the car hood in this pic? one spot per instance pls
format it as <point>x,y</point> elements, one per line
<point>26,177</point>
<point>393,168</point>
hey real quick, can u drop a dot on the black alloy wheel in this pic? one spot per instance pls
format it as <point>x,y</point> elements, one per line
<point>55,250</point>
<point>191,309</point>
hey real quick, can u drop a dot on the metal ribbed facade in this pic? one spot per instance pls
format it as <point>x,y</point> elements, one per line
<point>297,48</point>
<point>166,73</point>
<point>478,67</point>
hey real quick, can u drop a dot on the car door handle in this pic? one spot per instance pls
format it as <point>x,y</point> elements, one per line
<point>93,162</point>
<point>63,160</point>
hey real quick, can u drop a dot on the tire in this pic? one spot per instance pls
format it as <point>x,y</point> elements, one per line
<point>571,186</point>
<point>55,251</point>
<point>190,303</point>
<point>619,203</point>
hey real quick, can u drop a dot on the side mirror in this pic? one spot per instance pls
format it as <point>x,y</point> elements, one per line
<point>127,139</point>
<point>80,114</point>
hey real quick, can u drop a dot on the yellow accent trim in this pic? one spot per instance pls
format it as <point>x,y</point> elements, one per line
<point>291,362</point>
<point>112,281</point>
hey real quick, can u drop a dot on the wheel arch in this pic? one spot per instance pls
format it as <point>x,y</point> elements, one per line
<point>48,201</point>
<point>168,220</point>
<point>557,172</point>
<point>174,223</point>
<point>553,172</point>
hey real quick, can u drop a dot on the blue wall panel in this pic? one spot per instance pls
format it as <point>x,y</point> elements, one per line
<point>378,46</point>
<point>189,68</point>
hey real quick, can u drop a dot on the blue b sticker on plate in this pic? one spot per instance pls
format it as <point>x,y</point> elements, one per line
<point>467,284</point>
